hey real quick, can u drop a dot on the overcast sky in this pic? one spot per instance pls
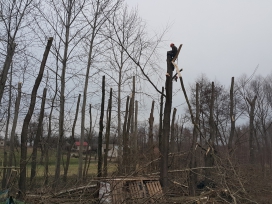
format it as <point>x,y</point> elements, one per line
<point>220,38</point>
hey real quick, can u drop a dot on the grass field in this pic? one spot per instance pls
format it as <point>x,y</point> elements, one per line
<point>72,171</point>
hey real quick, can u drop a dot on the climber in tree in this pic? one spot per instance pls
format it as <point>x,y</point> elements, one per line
<point>172,53</point>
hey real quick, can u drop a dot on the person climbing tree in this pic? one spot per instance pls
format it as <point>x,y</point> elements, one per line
<point>172,53</point>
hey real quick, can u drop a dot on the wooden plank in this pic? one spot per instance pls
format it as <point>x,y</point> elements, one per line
<point>155,190</point>
<point>118,196</point>
<point>150,191</point>
<point>144,191</point>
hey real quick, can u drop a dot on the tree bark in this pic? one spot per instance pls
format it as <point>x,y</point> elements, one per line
<point>37,138</point>
<point>99,149</point>
<point>251,130</point>
<point>90,136</point>
<point>166,127</point>
<point>67,28</point>
<point>107,138</point>
<point>132,101</point>
<point>192,174</point>
<point>160,122</point>
<point>14,125</point>
<point>136,132</point>
<point>125,140</point>
<point>172,140</point>
<point>232,117</point>
<point>209,156</point>
<point>23,159</point>
<point>150,134</point>
<point>7,63</point>
<point>93,35</point>
<point>4,180</point>
<point>72,141</point>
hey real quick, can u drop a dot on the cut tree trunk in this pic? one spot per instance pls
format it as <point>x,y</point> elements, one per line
<point>101,126</point>
<point>192,164</point>
<point>107,138</point>
<point>23,159</point>
<point>160,124</point>
<point>37,138</point>
<point>232,117</point>
<point>166,127</point>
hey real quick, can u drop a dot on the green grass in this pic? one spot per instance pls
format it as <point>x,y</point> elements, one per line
<point>73,167</point>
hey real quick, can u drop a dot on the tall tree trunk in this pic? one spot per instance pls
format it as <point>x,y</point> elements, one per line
<point>62,91</point>
<point>119,121</point>
<point>192,173</point>
<point>132,144</point>
<point>107,138</point>
<point>14,125</point>
<point>160,122</point>
<point>251,129</point>
<point>6,135</point>
<point>172,140</point>
<point>7,63</point>
<point>125,140</point>
<point>82,131</point>
<point>99,149</point>
<point>150,134</point>
<point>128,131</point>
<point>37,138</point>
<point>72,141</point>
<point>46,169</point>
<point>23,159</point>
<point>209,156</point>
<point>232,117</point>
<point>90,136</point>
<point>136,133</point>
<point>166,126</point>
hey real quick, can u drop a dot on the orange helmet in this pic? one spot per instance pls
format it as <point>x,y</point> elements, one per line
<point>172,44</point>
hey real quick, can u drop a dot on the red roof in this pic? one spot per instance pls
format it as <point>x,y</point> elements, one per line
<point>78,143</point>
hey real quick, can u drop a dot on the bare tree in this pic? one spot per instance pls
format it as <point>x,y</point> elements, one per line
<point>100,10</point>
<point>13,19</point>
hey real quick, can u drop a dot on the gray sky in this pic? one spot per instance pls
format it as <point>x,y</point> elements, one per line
<point>220,38</point>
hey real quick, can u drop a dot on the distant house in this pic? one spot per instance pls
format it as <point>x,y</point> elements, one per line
<point>112,151</point>
<point>77,145</point>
